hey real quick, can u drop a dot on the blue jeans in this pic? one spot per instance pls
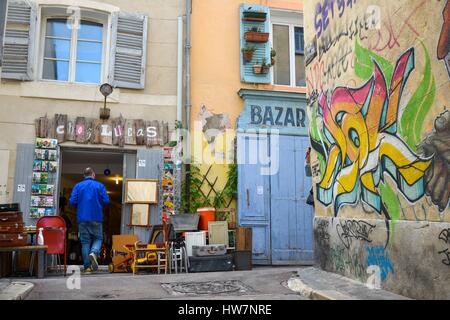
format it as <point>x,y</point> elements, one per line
<point>91,236</point>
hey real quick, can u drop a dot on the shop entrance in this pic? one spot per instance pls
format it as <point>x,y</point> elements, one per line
<point>108,167</point>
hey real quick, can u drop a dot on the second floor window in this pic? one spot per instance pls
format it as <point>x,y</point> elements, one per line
<point>73,51</point>
<point>289,69</point>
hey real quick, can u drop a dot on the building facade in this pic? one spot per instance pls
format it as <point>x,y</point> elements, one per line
<point>377,76</point>
<point>56,54</point>
<point>255,117</point>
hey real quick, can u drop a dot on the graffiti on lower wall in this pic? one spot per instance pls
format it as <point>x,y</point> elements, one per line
<point>349,230</point>
<point>345,262</point>
<point>378,256</point>
<point>444,237</point>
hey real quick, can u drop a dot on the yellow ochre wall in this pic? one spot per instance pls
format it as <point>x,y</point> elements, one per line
<point>215,63</point>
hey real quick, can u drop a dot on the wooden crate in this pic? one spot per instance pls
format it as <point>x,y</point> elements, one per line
<point>244,239</point>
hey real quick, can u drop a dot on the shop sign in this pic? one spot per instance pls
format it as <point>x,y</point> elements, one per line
<point>117,131</point>
<point>278,116</point>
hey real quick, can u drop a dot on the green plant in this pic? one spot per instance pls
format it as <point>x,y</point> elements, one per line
<point>178,124</point>
<point>254,29</point>
<point>197,199</point>
<point>248,48</point>
<point>273,53</point>
<point>224,197</point>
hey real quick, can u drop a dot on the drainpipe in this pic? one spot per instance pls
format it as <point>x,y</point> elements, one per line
<point>188,100</point>
<point>180,74</point>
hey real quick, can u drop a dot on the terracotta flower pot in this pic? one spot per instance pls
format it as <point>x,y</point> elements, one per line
<point>252,36</point>
<point>257,68</point>
<point>248,55</point>
<point>260,69</point>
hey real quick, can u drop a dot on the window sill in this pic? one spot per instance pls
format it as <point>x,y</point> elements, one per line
<point>284,88</point>
<point>65,91</point>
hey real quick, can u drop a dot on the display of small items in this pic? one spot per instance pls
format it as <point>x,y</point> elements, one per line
<point>168,177</point>
<point>45,165</point>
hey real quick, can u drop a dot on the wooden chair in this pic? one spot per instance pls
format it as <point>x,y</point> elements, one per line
<point>153,254</point>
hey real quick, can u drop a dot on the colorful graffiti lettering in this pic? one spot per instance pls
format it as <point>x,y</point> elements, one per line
<point>376,255</point>
<point>360,127</point>
<point>322,16</point>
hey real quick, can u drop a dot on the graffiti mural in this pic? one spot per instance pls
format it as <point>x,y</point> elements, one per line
<point>443,51</point>
<point>377,256</point>
<point>360,129</point>
<point>438,175</point>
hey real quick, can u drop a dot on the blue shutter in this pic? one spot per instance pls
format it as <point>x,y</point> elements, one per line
<point>299,41</point>
<point>262,49</point>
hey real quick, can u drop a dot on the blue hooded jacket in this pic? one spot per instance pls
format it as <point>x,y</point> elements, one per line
<point>89,197</point>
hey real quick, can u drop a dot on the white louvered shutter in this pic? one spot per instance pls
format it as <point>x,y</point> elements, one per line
<point>128,50</point>
<point>18,49</point>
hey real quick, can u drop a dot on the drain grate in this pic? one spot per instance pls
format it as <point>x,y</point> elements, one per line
<point>209,287</point>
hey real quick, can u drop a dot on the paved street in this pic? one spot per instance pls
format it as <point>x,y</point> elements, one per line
<point>264,283</point>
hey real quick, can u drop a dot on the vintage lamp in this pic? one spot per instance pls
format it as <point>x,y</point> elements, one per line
<point>106,89</point>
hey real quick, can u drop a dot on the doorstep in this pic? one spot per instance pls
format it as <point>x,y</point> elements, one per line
<point>317,284</point>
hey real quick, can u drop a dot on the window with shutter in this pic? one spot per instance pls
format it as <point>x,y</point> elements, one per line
<point>18,47</point>
<point>254,17</point>
<point>128,50</point>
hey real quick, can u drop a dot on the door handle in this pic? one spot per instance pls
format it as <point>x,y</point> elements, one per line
<point>248,198</point>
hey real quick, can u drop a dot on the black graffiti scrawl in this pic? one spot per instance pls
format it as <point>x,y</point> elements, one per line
<point>350,230</point>
<point>444,236</point>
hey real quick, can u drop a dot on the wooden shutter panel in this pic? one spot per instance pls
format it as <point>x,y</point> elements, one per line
<point>18,48</point>
<point>128,50</point>
<point>262,49</point>
<point>2,27</point>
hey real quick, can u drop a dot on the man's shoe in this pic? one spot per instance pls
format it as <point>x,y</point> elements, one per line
<point>94,263</point>
<point>87,270</point>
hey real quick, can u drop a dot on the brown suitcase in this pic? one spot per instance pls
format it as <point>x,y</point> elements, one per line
<point>14,227</point>
<point>11,216</point>
<point>13,239</point>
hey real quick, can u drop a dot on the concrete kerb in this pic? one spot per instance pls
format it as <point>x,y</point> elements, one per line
<point>16,290</point>
<point>297,285</point>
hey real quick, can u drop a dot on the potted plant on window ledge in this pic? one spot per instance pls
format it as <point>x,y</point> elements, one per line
<point>262,68</point>
<point>248,53</point>
<point>273,54</point>
<point>254,35</point>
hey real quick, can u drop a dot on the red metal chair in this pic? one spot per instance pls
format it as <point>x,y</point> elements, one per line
<point>54,231</point>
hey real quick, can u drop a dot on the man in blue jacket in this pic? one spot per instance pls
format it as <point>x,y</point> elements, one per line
<point>89,197</point>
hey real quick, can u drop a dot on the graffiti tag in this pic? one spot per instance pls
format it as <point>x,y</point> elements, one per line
<point>377,256</point>
<point>353,229</point>
<point>345,262</point>
<point>322,230</point>
<point>445,237</point>
<point>323,11</point>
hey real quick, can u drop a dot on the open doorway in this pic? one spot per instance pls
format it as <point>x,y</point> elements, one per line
<point>108,167</point>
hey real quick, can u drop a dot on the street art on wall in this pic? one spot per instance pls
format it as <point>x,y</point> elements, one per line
<point>443,51</point>
<point>360,130</point>
<point>377,256</point>
<point>438,175</point>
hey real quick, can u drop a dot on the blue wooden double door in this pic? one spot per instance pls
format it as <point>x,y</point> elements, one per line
<point>272,198</point>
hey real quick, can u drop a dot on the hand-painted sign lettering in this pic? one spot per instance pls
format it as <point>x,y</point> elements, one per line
<point>277,116</point>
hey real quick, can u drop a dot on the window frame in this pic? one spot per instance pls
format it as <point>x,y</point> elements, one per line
<point>94,16</point>
<point>289,19</point>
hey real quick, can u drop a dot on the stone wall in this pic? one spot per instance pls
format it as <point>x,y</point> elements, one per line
<point>377,80</point>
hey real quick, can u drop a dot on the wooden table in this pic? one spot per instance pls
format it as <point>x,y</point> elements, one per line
<point>42,256</point>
